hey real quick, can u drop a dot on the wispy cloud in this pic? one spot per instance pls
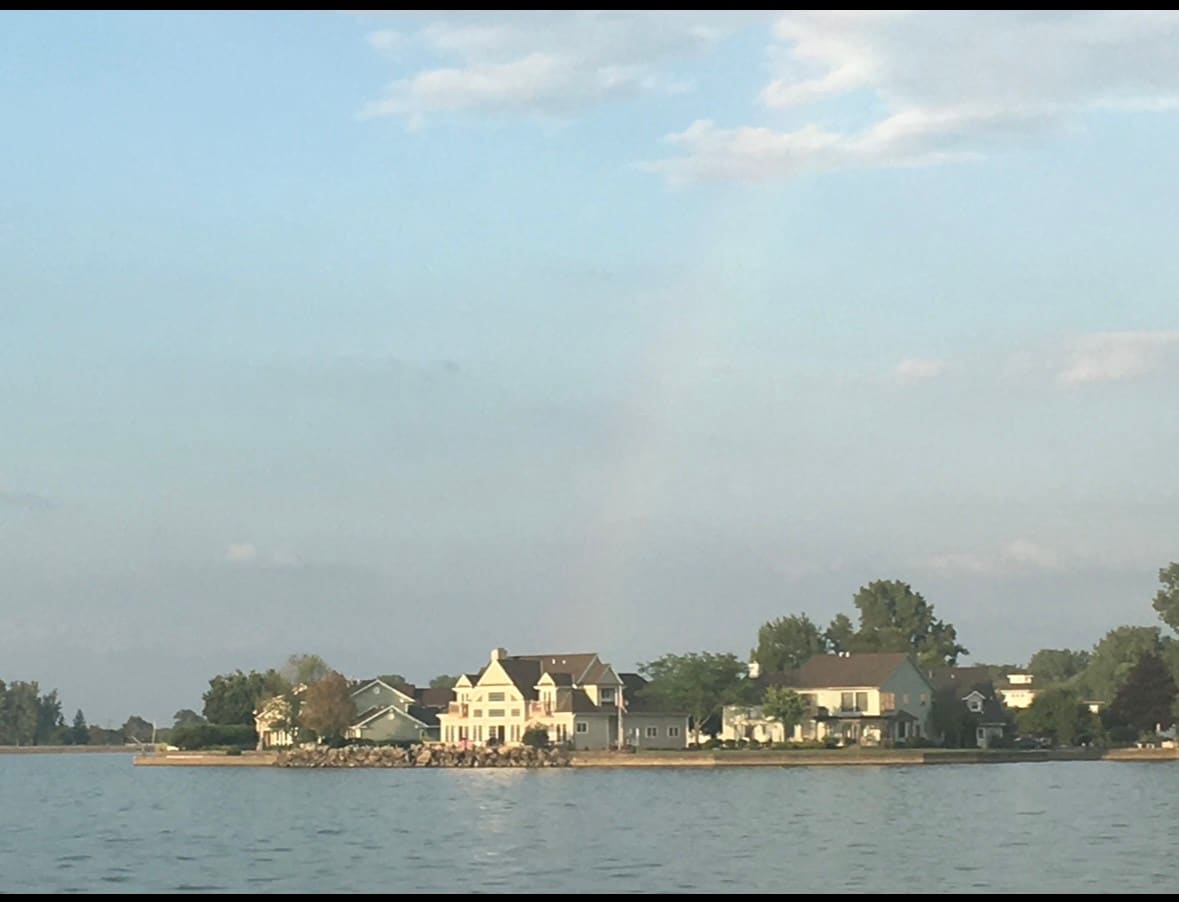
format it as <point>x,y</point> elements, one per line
<point>948,87</point>
<point>241,553</point>
<point>1112,356</point>
<point>29,501</point>
<point>1020,554</point>
<point>247,553</point>
<point>912,370</point>
<point>540,64</point>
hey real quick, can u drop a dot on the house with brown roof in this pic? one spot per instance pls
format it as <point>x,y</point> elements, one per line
<point>578,699</point>
<point>851,698</point>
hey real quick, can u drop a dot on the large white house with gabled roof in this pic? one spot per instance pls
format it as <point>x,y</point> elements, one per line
<point>578,699</point>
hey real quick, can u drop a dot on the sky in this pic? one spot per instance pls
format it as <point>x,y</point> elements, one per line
<point>396,337</point>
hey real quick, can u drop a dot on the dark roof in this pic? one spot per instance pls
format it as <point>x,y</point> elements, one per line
<point>368,713</point>
<point>962,679</point>
<point>434,697</point>
<point>576,665</point>
<point>583,704</point>
<point>561,679</point>
<point>428,716</point>
<point>833,671</point>
<point>523,673</point>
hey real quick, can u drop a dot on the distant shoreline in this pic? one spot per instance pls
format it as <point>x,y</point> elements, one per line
<point>686,759</point>
<point>68,749</point>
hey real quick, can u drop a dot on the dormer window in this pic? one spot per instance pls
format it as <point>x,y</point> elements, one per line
<point>974,703</point>
<point>607,696</point>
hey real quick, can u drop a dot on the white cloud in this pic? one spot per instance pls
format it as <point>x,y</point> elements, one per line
<point>385,40</point>
<point>941,87</point>
<point>1016,555</point>
<point>545,64</point>
<point>1111,356</point>
<point>912,370</point>
<point>241,553</point>
<point>1024,552</point>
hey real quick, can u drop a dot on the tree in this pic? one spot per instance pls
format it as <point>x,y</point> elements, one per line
<point>1057,665</point>
<point>20,713</point>
<point>1166,600</point>
<point>1058,714</point>
<point>136,729</point>
<point>698,683</point>
<point>1114,657</point>
<point>785,643</point>
<point>443,681</point>
<point>50,723</point>
<point>79,732</point>
<point>186,717</point>
<point>328,709</point>
<point>397,681</point>
<point>233,697</point>
<point>894,618</point>
<point>1144,700</point>
<point>535,736</point>
<point>305,669</point>
<point>951,720</point>
<point>841,634</point>
<point>785,706</point>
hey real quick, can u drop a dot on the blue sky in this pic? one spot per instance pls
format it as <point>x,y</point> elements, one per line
<point>397,337</point>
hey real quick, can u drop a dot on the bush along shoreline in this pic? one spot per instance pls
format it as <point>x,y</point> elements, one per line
<point>422,756</point>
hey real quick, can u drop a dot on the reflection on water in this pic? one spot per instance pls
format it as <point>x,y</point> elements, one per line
<point>94,823</point>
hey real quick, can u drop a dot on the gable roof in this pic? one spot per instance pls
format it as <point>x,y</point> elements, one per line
<point>835,671</point>
<point>422,716</point>
<point>576,665</point>
<point>962,680</point>
<point>405,691</point>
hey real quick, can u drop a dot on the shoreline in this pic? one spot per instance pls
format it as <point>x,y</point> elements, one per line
<point>70,749</point>
<point>808,758</point>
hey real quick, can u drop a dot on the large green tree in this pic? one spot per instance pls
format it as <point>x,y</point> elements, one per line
<point>1057,665</point>
<point>785,643</point>
<point>233,697</point>
<point>697,683</point>
<point>785,706</point>
<point>1059,715</point>
<point>186,717</point>
<point>443,681</point>
<point>305,669</point>
<point>841,634</point>
<point>895,618</point>
<point>1115,656</point>
<point>327,708</point>
<point>136,729</point>
<point>51,728</point>
<point>1144,700</point>
<point>1166,600</point>
<point>20,713</point>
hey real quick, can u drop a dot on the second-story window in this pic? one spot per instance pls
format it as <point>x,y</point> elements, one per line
<point>847,701</point>
<point>495,696</point>
<point>861,701</point>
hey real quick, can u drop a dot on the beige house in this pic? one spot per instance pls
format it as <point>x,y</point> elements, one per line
<point>864,698</point>
<point>578,699</point>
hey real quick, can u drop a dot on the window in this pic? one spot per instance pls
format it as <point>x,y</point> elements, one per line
<point>515,712</point>
<point>652,732</point>
<point>861,701</point>
<point>905,698</point>
<point>924,698</point>
<point>607,696</point>
<point>495,696</point>
<point>974,704</point>
<point>673,731</point>
<point>478,712</point>
<point>582,727</point>
<point>495,712</point>
<point>847,701</point>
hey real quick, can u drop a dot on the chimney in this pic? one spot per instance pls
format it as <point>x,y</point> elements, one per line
<point>498,654</point>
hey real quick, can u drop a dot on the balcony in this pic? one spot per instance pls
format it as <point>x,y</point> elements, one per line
<point>457,709</point>
<point>540,709</point>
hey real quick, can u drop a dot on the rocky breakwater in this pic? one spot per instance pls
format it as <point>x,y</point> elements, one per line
<point>422,756</point>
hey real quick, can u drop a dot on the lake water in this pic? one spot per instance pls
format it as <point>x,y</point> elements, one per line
<point>95,823</point>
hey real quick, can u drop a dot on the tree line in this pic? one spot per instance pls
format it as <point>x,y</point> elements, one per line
<point>29,716</point>
<point>1132,670</point>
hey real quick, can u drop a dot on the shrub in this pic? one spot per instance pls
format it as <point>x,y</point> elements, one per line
<point>214,735</point>
<point>536,737</point>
